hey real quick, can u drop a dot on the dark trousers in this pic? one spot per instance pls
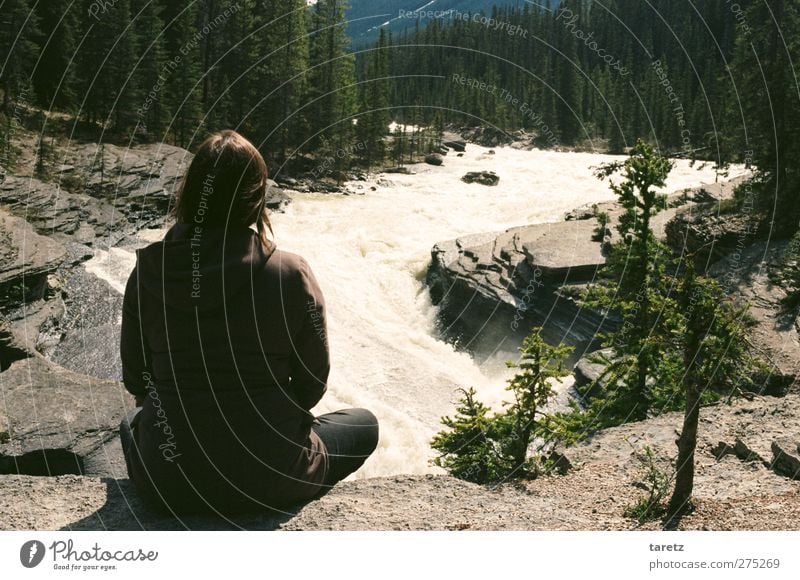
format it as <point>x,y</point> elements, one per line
<point>350,436</point>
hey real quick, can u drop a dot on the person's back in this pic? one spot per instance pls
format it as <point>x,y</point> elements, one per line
<point>224,343</point>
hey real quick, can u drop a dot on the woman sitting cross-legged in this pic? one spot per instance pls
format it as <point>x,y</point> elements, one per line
<point>224,346</point>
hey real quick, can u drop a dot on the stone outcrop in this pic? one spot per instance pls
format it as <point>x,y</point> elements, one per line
<point>492,285</point>
<point>11,349</point>
<point>53,211</point>
<point>516,279</point>
<point>786,456</point>
<point>105,192</point>
<point>454,141</point>
<point>26,259</point>
<point>53,421</point>
<point>489,178</point>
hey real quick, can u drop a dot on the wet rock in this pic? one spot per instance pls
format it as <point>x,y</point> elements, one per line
<point>277,199</point>
<point>487,136</point>
<point>489,178</point>
<point>434,159</point>
<point>26,260</point>
<point>400,169</point>
<point>454,141</point>
<point>90,327</point>
<point>459,146</point>
<point>493,285</point>
<point>53,419</point>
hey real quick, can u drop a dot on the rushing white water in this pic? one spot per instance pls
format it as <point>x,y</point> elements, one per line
<point>370,254</point>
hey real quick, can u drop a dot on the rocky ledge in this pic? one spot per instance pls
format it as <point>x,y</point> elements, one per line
<point>497,284</point>
<point>748,477</point>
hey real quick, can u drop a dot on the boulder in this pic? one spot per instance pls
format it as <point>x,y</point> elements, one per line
<point>434,159</point>
<point>277,199</point>
<point>589,370</point>
<point>54,419</point>
<point>786,457</point>
<point>454,142</point>
<point>399,169</point>
<point>26,259</point>
<point>459,146</point>
<point>489,178</point>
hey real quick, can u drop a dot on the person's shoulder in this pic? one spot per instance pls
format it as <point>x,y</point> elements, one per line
<point>291,267</point>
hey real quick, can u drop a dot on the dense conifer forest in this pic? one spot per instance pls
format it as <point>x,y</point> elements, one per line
<point>707,80</point>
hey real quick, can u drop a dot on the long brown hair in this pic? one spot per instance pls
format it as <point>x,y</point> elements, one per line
<point>225,185</point>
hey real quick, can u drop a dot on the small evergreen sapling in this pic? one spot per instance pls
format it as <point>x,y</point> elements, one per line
<point>483,448</point>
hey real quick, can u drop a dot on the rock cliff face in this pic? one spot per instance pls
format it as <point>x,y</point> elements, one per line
<point>103,193</point>
<point>513,280</point>
<point>96,198</point>
<point>26,259</point>
<point>494,285</point>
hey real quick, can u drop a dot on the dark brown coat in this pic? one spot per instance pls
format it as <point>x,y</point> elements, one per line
<point>223,341</point>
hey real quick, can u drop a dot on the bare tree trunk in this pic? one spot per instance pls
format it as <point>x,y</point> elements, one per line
<point>687,442</point>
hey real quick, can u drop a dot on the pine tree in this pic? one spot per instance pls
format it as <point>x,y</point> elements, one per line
<point>54,78</point>
<point>636,268</point>
<point>487,448</point>
<point>181,73</point>
<point>709,333</point>
<point>769,118</point>
<point>277,79</point>
<point>467,450</point>
<point>532,389</point>
<point>19,32</point>
<point>106,67</point>
<point>567,101</point>
<point>151,115</point>
<point>331,78</point>
<point>374,122</point>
